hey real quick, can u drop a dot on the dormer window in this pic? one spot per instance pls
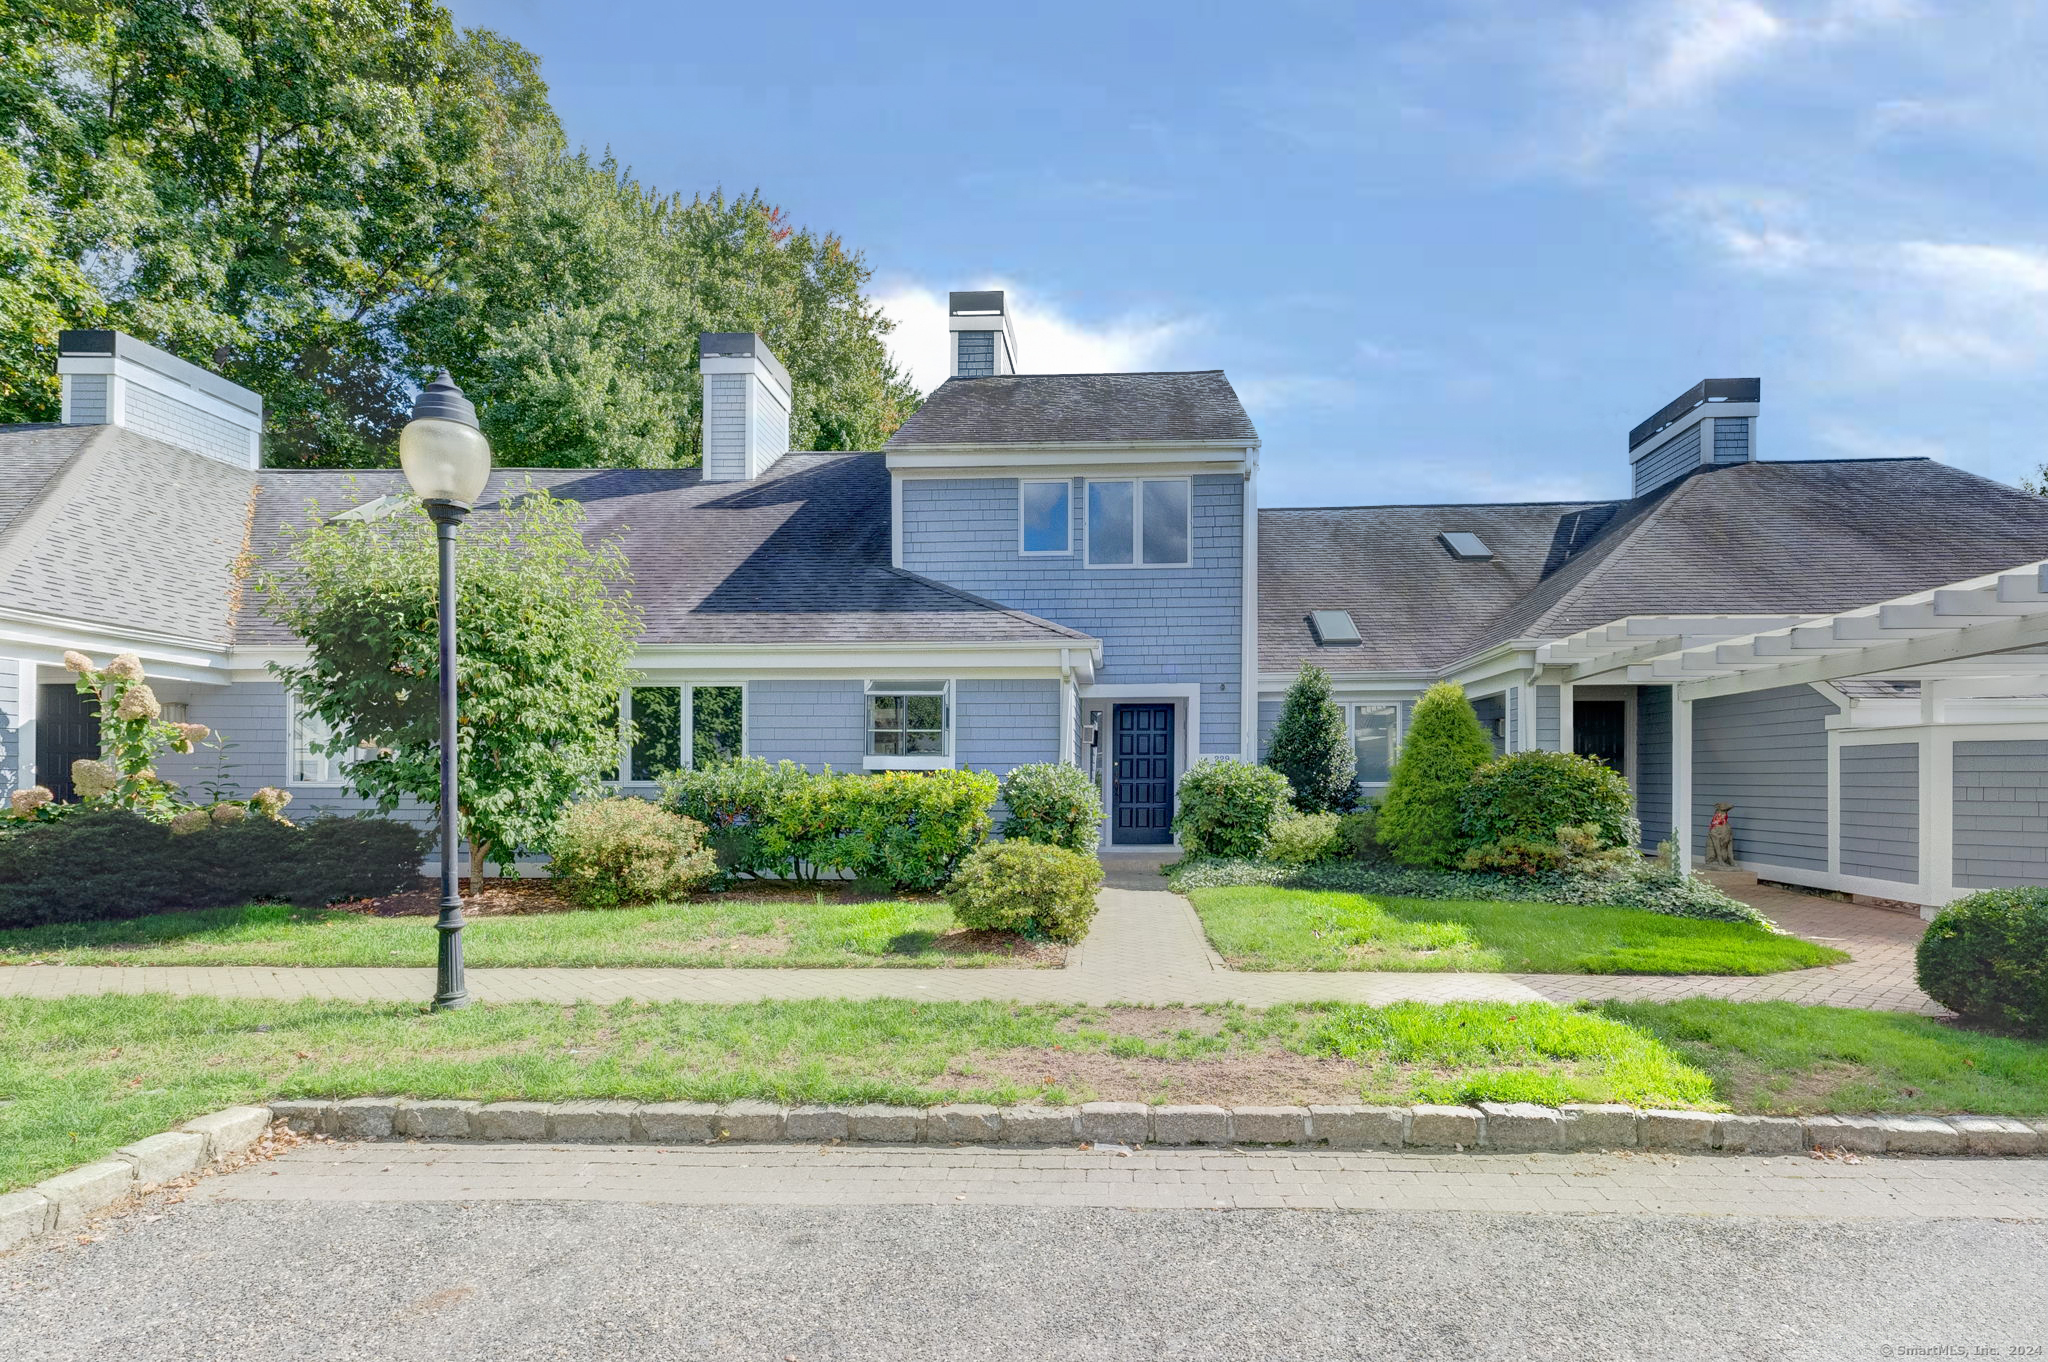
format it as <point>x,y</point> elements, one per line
<point>1045,513</point>
<point>1465,546</point>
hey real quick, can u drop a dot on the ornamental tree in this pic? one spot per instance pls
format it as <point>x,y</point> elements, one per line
<point>544,630</point>
<point>1311,746</point>
<point>1420,819</point>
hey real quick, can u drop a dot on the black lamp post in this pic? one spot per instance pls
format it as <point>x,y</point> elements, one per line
<point>447,460</point>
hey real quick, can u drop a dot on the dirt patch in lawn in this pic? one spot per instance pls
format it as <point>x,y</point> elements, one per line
<point>1021,951</point>
<point>1261,1078</point>
<point>1148,1023</point>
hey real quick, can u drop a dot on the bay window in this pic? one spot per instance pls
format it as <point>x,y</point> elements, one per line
<point>909,724</point>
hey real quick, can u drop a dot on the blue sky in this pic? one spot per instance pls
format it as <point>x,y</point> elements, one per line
<point>1447,252</point>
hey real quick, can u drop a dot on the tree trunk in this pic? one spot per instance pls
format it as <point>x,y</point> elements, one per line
<point>479,853</point>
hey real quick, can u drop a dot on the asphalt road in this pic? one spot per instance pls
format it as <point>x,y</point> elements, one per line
<point>253,1280</point>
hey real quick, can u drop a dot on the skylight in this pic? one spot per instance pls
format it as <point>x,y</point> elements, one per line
<point>374,509</point>
<point>1465,546</point>
<point>1333,627</point>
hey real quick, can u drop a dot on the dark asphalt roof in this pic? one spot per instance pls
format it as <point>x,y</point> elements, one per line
<point>798,555</point>
<point>1030,408</point>
<point>1804,538</point>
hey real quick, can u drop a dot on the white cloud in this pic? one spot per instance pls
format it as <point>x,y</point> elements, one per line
<point>1754,229</point>
<point>1049,341</point>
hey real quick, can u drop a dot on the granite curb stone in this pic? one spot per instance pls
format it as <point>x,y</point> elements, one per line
<point>439,1119</point>
<point>365,1118</point>
<point>592,1122</point>
<point>876,1123</point>
<point>1996,1135</point>
<point>676,1122</point>
<point>1919,1135</point>
<point>1522,1126</point>
<point>749,1121</point>
<point>1849,1134</point>
<point>1759,1135</point>
<point>307,1117</point>
<point>1184,1125</point>
<point>1041,1125</point>
<point>1600,1125</point>
<point>1116,1122</point>
<point>231,1130</point>
<point>1343,1127</point>
<point>83,1191</point>
<point>160,1158</point>
<point>815,1123</point>
<point>1270,1125</point>
<point>24,1216</point>
<point>513,1121</point>
<point>1432,1126</point>
<point>1678,1129</point>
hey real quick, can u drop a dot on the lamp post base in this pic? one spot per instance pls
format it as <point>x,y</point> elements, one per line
<point>451,992</point>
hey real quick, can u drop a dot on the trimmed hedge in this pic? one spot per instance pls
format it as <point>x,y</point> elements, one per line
<point>1648,886</point>
<point>908,829</point>
<point>1530,795</point>
<point>1228,808</point>
<point>1025,887</point>
<point>104,865</point>
<point>1306,839</point>
<point>1054,805</point>
<point>616,852</point>
<point>1985,957</point>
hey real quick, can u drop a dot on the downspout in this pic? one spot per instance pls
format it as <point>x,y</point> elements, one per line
<point>1248,630</point>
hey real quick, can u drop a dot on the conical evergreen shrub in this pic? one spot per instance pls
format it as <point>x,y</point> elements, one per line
<point>1311,746</point>
<point>1420,817</point>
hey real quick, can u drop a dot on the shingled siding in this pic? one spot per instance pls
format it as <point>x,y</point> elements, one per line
<point>1653,763</point>
<point>252,716</point>
<point>1549,728</point>
<point>1766,753</point>
<point>1157,625</point>
<point>13,765</point>
<point>725,426</point>
<point>813,723</point>
<point>147,412</point>
<point>1674,459</point>
<point>1880,837</point>
<point>1731,439</point>
<point>1001,724</point>
<point>2001,814</point>
<point>89,402</point>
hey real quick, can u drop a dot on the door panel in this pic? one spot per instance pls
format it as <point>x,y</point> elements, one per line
<point>67,730</point>
<point>1141,789</point>
<point>1600,731</point>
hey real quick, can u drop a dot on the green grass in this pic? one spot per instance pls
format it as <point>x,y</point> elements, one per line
<point>1262,928</point>
<point>716,932</point>
<point>1792,1059</point>
<point>89,1074</point>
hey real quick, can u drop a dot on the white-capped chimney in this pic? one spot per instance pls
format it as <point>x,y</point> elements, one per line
<point>747,400</point>
<point>983,343</point>
<point>112,379</point>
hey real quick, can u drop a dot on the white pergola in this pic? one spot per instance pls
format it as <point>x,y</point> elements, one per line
<point>1987,636</point>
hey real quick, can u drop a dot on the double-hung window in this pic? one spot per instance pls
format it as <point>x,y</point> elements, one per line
<point>1044,513</point>
<point>1376,739</point>
<point>1139,523</point>
<point>910,724</point>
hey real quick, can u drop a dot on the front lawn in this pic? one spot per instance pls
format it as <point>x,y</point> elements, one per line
<point>784,931</point>
<point>89,1074</point>
<point>1255,927</point>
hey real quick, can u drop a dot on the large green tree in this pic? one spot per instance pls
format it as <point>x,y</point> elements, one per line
<point>327,201</point>
<point>544,633</point>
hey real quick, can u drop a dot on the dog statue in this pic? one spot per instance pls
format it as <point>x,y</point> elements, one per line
<point>1720,840</point>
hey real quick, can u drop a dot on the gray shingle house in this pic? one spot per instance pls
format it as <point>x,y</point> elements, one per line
<point>1075,568</point>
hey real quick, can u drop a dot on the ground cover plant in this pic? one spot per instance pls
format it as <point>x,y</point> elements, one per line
<point>1646,885</point>
<point>812,932</point>
<point>87,1075</point>
<point>1265,928</point>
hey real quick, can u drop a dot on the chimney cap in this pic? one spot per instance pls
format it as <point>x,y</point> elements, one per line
<point>742,345</point>
<point>1698,395</point>
<point>976,303</point>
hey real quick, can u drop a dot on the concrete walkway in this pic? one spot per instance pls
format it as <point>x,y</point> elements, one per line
<point>1146,947</point>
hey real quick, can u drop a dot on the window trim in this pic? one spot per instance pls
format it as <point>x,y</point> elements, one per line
<point>1394,734</point>
<point>925,761</point>
<point>1137,562</point>
<point>294,725</point>
<point>1023,548</point>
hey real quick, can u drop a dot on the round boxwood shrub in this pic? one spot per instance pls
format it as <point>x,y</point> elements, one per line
<point>1054,805</point>
<point>1985,957</point>
<point>1026,887</point>
<point>1530,795</point>
<point>616,852</point>
<point>1421,818</point>
<point>1306,839</point>
<point>1228,808</point>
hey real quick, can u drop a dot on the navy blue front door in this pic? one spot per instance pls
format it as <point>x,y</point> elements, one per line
<point>1141,792</point>
<point>67,730</point>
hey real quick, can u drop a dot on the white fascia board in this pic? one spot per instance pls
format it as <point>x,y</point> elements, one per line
<point>46,638</point>
<point>1509,663</point>
<point>1276,683</point>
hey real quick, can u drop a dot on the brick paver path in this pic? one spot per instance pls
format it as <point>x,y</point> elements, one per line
<point>1631,1183</point>
<point>1146,946</point>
